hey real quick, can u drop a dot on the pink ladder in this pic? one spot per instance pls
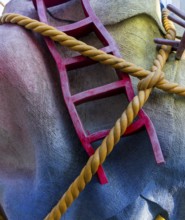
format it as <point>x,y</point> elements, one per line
<point>92,24</point>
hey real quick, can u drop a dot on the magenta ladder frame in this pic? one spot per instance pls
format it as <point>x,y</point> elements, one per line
<point>87,25</point>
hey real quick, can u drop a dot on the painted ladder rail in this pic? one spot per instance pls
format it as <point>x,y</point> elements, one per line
<point>92,24</point>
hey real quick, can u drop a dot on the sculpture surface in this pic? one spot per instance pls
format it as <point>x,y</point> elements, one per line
<point>31,98</point>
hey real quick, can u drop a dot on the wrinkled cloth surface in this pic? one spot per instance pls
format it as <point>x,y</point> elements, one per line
<point>40,154</point>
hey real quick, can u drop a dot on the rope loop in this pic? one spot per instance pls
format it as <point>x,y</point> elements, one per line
<point>151,80</point>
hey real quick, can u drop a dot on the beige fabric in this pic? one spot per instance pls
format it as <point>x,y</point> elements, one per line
<point>111,12</point>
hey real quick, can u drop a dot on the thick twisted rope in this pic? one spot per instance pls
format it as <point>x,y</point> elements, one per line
<point>149,80</point>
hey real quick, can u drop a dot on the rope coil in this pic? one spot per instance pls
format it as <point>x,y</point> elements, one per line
<point>148,81</point>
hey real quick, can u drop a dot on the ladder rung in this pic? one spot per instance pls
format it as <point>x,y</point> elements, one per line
<point>99,92</point>
<point>81,61</point>
<point>79,28</point>
<point>176,11</point>
<point>134,127</point>
<point>97,135</point>
<point>49,3</point>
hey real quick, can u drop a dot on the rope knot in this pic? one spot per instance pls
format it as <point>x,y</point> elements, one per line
<point>151,80</point>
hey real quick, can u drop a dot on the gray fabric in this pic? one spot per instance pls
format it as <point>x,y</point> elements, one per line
<point>111,12</point>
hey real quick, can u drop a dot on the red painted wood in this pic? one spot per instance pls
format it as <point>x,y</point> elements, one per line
<point>134,127</point>
<point>123,85</point>
<point>99,92</point>
<point>50,3</point>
